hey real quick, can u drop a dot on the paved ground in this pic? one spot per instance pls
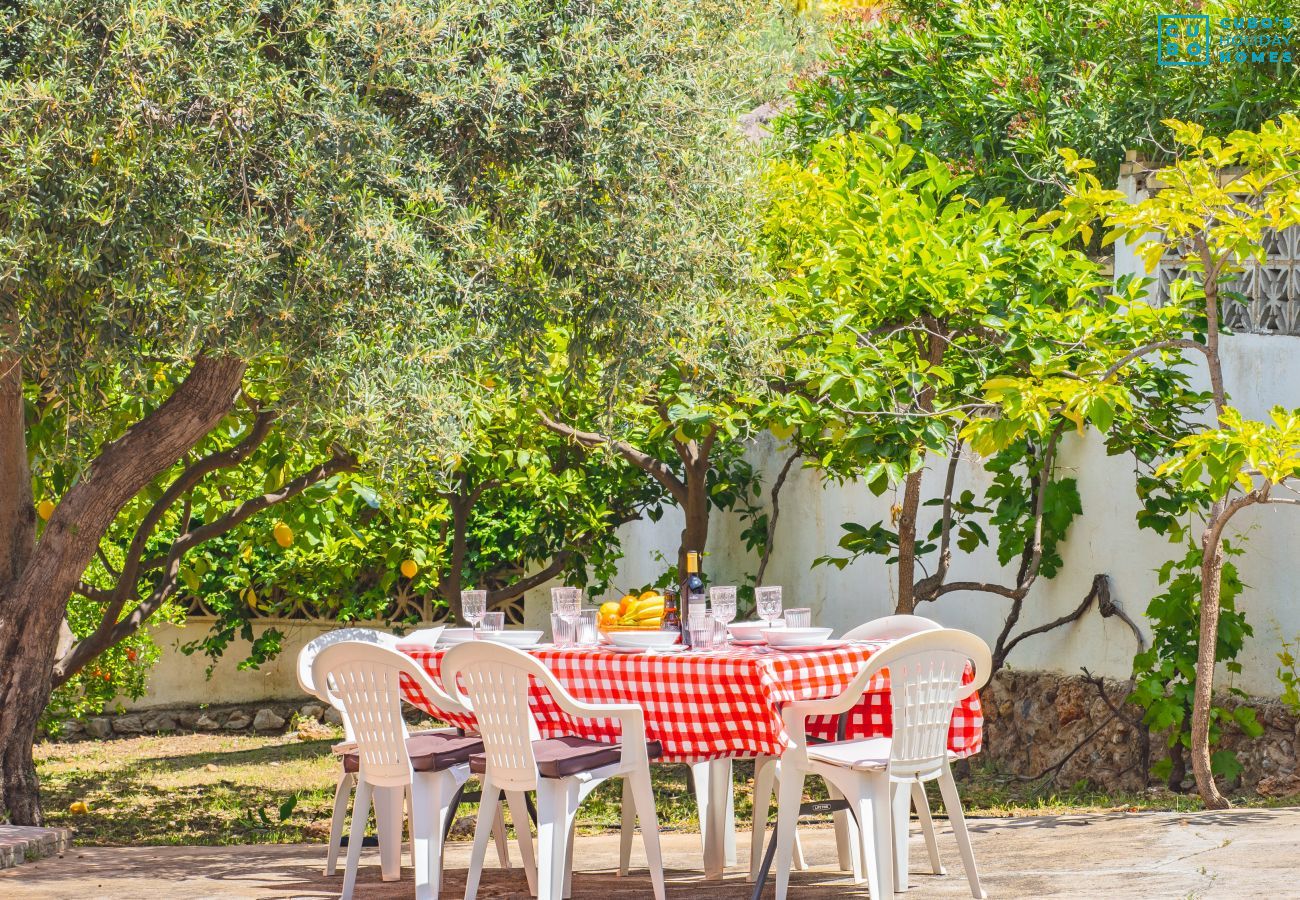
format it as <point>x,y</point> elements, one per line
<point>1235,854</point>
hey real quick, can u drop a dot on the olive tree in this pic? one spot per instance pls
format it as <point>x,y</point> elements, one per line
<point>358,199</point>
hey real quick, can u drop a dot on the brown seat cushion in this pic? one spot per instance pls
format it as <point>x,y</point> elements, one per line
<point>564,756</point>
<point>431,751</point>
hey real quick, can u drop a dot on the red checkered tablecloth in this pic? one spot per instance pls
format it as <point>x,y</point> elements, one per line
<point>710,704</point>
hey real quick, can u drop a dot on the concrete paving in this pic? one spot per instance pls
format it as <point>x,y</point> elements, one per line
<point>1233,854</point>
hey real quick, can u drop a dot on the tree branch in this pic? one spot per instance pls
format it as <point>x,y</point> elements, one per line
<point>655,468</point>
<point>770,538</point>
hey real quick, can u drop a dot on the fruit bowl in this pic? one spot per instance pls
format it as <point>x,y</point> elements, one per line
<point>633,612</point>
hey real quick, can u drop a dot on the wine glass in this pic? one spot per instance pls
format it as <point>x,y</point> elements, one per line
<point>722,600</point>
<point>768,601</point>
<point>565,601</point>
<point>473,604</point>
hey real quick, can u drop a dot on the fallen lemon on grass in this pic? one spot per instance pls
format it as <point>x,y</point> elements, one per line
<point>79,807</point>
<point>45,509</point>
<point>283,534</point>
<point>410,568</point>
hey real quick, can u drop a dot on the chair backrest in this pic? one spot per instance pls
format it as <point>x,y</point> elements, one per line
<point>926,682</point>
<point>494,681</point>
<point>307,655</point>
<point>891,628</point>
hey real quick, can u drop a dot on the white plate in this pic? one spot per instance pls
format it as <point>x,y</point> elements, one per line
<point>796,637</point>
<point>735,642</point>
<point>455,636</point>
<point>616,649</point>
<point>521,640</point>
<point>752,631</point>
<point>825,645</point>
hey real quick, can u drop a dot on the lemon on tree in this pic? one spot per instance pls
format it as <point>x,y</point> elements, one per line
<point>45,509</point>
<point>283,534</point>
<point>410,568</point>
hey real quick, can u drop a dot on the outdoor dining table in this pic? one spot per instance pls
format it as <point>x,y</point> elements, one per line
<point>712,705</point>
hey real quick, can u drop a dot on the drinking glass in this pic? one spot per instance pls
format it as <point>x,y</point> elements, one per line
<point>563,630</point>
<point>722,600</point>
<point>493,622</point>
<point>800,617</point>
<point>566,600</point>
<point>703,631</point>
<point>473,604</point>
<point>587,631</point>
<point>768,601</point>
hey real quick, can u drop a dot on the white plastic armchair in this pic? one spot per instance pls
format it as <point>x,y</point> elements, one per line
<point>388,804</point>
<point>927,681</point>
<point>494,682</point>
<point>847,842</point>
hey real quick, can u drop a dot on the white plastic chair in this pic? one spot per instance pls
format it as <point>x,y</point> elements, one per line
<point>926,672</point>
<point>387,806</point>
<point>893,628</point>
<point>494,681</point>
<point>847,842</point>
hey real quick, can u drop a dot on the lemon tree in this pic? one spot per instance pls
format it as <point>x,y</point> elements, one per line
<point>1211,207</point>
<point>904,301</point>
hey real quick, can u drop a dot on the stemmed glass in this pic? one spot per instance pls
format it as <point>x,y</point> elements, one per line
<point>768,601</point>
<point>565,601</point>
<point>473,604</point>
<point>722,601</point>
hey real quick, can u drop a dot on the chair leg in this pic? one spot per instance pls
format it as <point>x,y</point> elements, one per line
<point>922,804</point>
<point>952,802</point>
<point>643,797</point>
<point>557,804</point>
<point>524,836</point>
<point>390,804</point>
<point>789,797</point>
<point>500,836</point>
<point>410,819</point>
<point>568,857</point>
<point>360,814</point>
<point>848,846</point>
<point>625,835</point>
<point>875,816</point>
<point>487,806</point>
<point>341,796</point>
<point>900,801</point>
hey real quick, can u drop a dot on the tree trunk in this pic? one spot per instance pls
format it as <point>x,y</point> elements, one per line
<point>32,608</point>
<point>907,516</point>
<point>1211,584</point>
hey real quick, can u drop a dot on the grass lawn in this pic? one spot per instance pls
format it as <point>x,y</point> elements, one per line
<point>229,789</point>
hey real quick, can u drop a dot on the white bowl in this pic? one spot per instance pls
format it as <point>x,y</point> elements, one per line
<point>427,636</point>
<point>752,631</point>
<point>643,640</point>
<point>455,636</point>
<point>513,638</point>
<point>796,637</point>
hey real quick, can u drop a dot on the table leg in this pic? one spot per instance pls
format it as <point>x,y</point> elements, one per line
<point>389,808</point>
<point>715,842</point>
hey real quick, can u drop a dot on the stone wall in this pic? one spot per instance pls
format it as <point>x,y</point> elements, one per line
<point>1037,722</point>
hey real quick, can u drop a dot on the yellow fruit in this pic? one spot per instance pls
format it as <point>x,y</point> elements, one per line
<point>625,603</point>
<point>608,619</point>
<point>490,383</point>
<point>283,534</point>
<point>45,509</point>
<point>649,612</point>
<point>649,595</point>
<point>79,807</point>
<point>609,609</point>
<point>410,568</point>
<point>783,432</point>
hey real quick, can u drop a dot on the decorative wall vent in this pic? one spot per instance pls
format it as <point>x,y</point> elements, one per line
<point>1271,290</point>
